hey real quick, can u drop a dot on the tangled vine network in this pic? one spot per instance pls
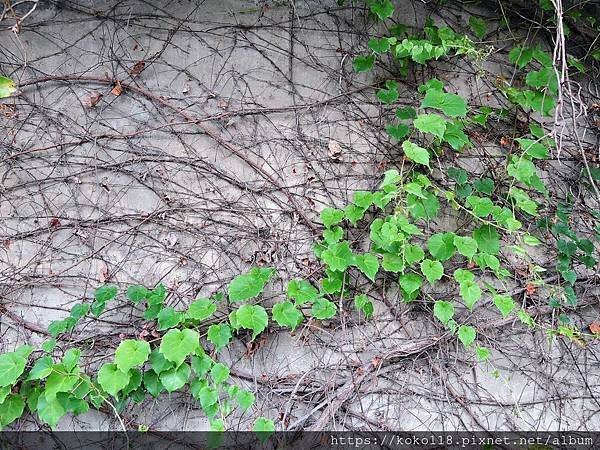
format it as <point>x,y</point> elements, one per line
<point>291,215</point>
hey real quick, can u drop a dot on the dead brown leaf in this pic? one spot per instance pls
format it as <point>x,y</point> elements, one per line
<point>8,111</point>
<point>137,68</point>
<point>530,289</point>
<point>334,150</point>
<point>93,99</point>
<point>104,274</point>
<point>595,328</point>
<point>117,90</point>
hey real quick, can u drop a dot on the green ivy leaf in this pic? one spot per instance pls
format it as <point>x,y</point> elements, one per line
<point>219,373</point>
<point>416,189</point>
<point>50,411</point>
<point>430,123</point>
<point>331,216</point>
<point>263,425</point>
<point>12,407</point>
<point>410,282</point>
<point>137,293</point>
<point>520,56</point>
<point>333,283</point>
<point>505,304</point>
<point>470,292</point>
<point>201,364</point>
<point>463,190</point>
<point>41,369</point>
<point>441,246</point>
<point>158,362</point>
<point>455,136</point>
<point>392,263</point>
<point>586,246</point>
<point>488,239</point>
<point>201,309</point>
<point>102,295</point>
<point>208,397</point>
<point>302,291</point>
<point>478,26</point>
<point>71,358</point>
<point>533,149</point>
<point>481,206</point>
<point>383,9</point>
<point>353,214</point>
<point>7,87</point>
<point>530,240</point>
<point>252,317</point>
<point>335,234</point>
<point>362,303</point>
<point>405,113</point>
<point>111,379</point>
<point>523,201</point>
<point>219,335</point>
<point>245,399</point>
<point>79,310</point>
<point>483,354</point>
<point>443,311</point>
<point>105,293</point>
<point>49,345</point>
<point>413,254</point>
<point>363,63</point>
<point>426,209</point>
<point>175,378</point>
<point>525,318</point>
<point>543,78</point>
<point>152,312</point>
<point>250,284</point>
<point>368,264</point>
<point>131,353</point>
<point>466,334</point>
<point>4,391</point>
<point>544,58</point>
<point>522,169</point>
<point>466,246</point>
<point>379,45</point>
<point>398,131</point>
<point>462,275</point>
<point>176,345</point>
<point>539,101</point>
<point>286,315</point>
<point>168,318</point>
<point>450,104</point>
<point>58,381</point>
<point>484,185</point>
<point>433,270</point>
<point>12,365</point>
<point>323,309</point>
<point>390,179</point>
<point>338,256</point>
<point>433,83</point>
<point>362,199</point>
<point>389,94</point>
<point>415,153</point>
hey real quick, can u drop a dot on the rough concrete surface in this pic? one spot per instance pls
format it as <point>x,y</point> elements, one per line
<point>215,158</point>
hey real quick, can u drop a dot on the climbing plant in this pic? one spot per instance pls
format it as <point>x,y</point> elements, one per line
<point>51,382</point>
